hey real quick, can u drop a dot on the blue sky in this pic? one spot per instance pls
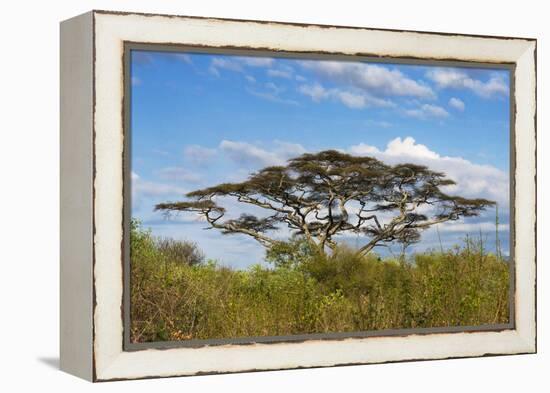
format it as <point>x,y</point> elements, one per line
<point>202,119</point>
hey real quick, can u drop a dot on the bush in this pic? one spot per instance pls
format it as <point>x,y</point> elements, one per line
<point>290,254</point>
<point>182,252</point>
<point>174,299</point>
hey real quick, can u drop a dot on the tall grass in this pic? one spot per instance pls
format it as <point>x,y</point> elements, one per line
<point>307,293</point>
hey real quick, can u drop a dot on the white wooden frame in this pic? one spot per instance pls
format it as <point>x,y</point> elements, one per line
<point>92,143</point>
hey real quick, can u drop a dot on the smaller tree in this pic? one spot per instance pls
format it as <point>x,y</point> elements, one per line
<point>290,253</point>
<point>179,251</point>
<point>320,196</point>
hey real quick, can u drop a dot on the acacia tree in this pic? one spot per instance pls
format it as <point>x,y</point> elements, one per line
<point>322,195</point>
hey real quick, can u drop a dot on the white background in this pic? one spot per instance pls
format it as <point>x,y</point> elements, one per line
<point>29,204</point>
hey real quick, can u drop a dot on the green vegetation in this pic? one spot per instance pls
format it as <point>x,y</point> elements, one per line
<point>177,295</point>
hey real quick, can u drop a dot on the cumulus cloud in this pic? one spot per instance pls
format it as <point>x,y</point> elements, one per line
<point>183,57</point>
<point>279,74</point>
<point>178,174</point>
<point>247,154</point>
<point>358,101</point>
<point>288,150</point>
<point>281,71</point>
<point>457,104</point>
<point>273,97</point>
<point>371,78</point>
<point>426,111</point>
<point>352,99</point>
<point>459,79</point>
<point>225,63</point>
<point>256,61</point>
<point>473,180</point>
<point>271,92</point>
<point>316,92</point>
<point>198,155</point>
<point>145,188</point>
<point>254,157</point>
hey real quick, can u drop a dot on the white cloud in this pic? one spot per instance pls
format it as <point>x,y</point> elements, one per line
<point>184,57</point>
<point>256,61</point>
<point>473,180</point>
<point>288,150</point>
<point>275,88</point>
<point>250,78</point>
<point>178,174</point>
<point>136,81</point>
<point>316,92</point>
<point>414,113</point>
<point>144,188</point>
<point>362,149</point>
<point>352,99</point>
<point>409,147</point>
<point>269,96</point>
<point>237,64</point>
<point>453,233</point>
<point>459,79</point>
<point>427,111</point>
<point>485,226</point>
<point>198,155</point>
<point>214,71</point>
<point>272,93</point>
<point>226,63</point>
<point>457,104</point>
<point>247,154</point>
<point>279,74</point>
<point>255,157</point>
<point>371,78</point>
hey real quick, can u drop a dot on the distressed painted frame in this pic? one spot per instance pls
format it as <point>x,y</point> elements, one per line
<point>127,202</point>
<point>92,189</point>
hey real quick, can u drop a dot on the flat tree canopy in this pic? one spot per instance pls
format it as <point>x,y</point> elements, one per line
<point>322,195</point>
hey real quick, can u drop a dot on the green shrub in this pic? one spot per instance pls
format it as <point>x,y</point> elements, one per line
<point>290,254</point>
<point>174,299</point>
<point>181,252</point>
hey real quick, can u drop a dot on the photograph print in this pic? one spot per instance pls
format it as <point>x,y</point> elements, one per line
<point>280,196</point>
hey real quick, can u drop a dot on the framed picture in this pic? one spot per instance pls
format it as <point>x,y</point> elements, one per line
<point>245,195</point>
